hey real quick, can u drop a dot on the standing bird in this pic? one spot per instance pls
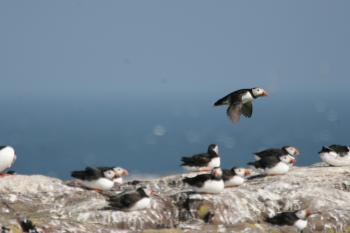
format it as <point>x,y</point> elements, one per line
<point>336,155</point>
<point>274,165</point>
<point>295,218</point>
<point>235,176</point>
<point>207,183</point>
<point>136,200</point>
<point>203,162</point>
<point>99,178</point>
<point>240,102</point>
<point>7,158</point>
<point>276,152</point>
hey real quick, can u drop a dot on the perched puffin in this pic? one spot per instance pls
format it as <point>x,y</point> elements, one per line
<point>295,218</point>
<point>7,158</point>
<point>207,183</point>
<point>274,165</point>
<point>336,155</point>
<point>203,162</point>
<point>240,102</point>
<point>136,200</point>
<point>235,176</point>
<point>286,150</point>
<point>99,178</point>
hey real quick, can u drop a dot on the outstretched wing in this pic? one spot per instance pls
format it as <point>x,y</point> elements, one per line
<point>247,109</point>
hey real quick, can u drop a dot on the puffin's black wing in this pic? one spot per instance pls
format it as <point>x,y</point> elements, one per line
<point>285,218</point>
<point>198,180</point>
<point>247,109</point>
<point>196,160</point>
<point>88,174</point>
<point>265,162</point>
<point>269,152</point>
<point>103,169</point>
<point>227,174</point>
<point>341,150</point>
<point>2,147</point>
<point>125,201</point>
<point>234,111</point>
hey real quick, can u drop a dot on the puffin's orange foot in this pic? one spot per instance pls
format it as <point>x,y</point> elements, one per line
<point>4,174</point>
<point>98,190</point>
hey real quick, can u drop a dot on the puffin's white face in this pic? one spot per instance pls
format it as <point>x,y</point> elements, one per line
<point>292,150</point>
<point>287,159</point>
<point>259,92</point>
<point>303,214</point>
<point>216,149</point>
<point>148,191</point>
<point>217,172</point>
<point>240,171</point>
<point>109,174</point>
<point>120,171</point>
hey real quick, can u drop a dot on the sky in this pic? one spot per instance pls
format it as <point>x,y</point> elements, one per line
<point>132,83</point>
<point>78,48</point>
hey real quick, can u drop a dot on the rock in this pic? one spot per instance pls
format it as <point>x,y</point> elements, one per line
<point>56,206</point>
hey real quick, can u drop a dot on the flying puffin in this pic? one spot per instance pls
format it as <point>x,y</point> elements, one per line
<point>274,165</point>
<point>7,158</point>
<point>99,178</point>
<point>203,162</point>
<point>336,155</point>
<point>235,176</point>
<point>295,218</point>
<point>240,102</point>
<point>207,183</point>
<point>286,150</point>
<point>131,201</point>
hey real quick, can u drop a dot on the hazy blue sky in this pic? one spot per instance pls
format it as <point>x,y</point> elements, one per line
<point>82,47</point>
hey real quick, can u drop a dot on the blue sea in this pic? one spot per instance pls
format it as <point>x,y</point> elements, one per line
<point>149,133</point>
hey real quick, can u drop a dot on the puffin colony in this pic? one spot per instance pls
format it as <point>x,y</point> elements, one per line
<point>211,179</point>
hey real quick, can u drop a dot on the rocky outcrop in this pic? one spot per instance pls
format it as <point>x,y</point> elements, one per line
<point>57,206</point>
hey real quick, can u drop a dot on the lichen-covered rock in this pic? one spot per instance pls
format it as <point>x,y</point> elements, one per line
<point>57,206</point>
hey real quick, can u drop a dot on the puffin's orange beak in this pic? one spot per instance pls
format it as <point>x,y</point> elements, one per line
<point>308,213</point>
<point>125,172</point>
<point>265,93</point>
<point>153,193</point>
<point>297,151</point>
<point>294,161</point>
<point>247,172</point>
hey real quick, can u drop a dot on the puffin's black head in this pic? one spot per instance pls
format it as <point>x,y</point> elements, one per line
<point>293,151</point>
<point>213,150</point>
<point>258,92</point>
<point>325,150</point>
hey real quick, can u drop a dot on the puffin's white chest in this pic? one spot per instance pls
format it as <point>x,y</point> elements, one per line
<point>101,183</point>
<point>6,160</point>
<point>118,180</point>
<point>300,224</point>
<point>333,159</point>
<point>247,97</point>
<point>278,169</point>
<point>234,181</point>
<point>215,162</point>
<point>211,186</point>
<point>144,203</point>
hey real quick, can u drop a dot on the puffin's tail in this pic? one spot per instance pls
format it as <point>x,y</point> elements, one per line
<point>222,101</point>
<point>78,174</point>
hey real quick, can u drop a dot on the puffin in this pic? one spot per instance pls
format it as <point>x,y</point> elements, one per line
<point>296,218</point>
<point>211,183</point>
<point>99,178</point>
<point>7,158</point>
<point>136,200</point>
<point>240,102</point>
<point>286,150</point>
<point>336,155</point>
<point>235,176</point>
<point>274,165</point>
<point>203,162</point>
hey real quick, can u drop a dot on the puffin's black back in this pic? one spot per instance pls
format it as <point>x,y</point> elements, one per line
<point>228,173</point>
<point>265,162</point>
<point>270,152</point>
<point>285,218</point>
<point>127,200</point>
<point>198,181</point>
<point>342,150</point>
<point>88,174</point>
